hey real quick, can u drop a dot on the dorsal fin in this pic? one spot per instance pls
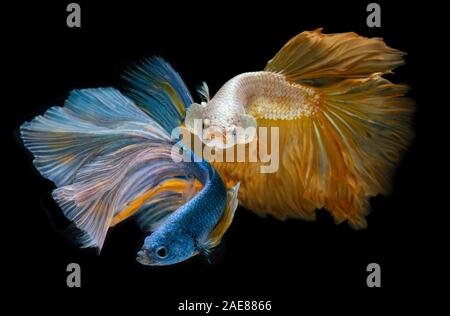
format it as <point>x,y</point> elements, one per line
<point>159,91</point>
<point>316,58</point>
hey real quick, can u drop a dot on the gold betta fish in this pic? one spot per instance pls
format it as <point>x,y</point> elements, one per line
<point>342,126</point>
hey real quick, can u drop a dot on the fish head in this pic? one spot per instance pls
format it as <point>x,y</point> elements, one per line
<point>220,126</point>
<point>165,247</point>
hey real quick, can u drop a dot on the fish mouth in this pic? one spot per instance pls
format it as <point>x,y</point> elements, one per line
<point>143,258</point>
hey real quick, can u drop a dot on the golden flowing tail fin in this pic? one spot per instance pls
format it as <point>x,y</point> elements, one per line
<point>346,148</point>
<point>316,58</point>
<point>352,144</point>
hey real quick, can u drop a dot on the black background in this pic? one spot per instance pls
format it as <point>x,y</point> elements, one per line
<point>261,258</point>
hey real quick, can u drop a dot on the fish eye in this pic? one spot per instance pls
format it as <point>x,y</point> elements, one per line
<point>161,252</point>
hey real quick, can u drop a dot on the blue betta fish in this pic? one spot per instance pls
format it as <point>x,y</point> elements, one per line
<point>112,157</point>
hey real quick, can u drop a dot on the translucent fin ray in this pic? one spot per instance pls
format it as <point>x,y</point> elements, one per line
<point>159,91</point>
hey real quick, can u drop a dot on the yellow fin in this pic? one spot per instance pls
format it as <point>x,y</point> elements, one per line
<point>353,144</point>
<point>333,159</point>
<point>187,188</point>
<point>316,58</point>
<point>217,233</point>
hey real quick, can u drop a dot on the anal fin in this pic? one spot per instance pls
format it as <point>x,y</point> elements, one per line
<point>220,229</point>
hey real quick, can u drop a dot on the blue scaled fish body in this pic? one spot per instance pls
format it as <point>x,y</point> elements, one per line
<point>187,231</point>
<point>111,158</point>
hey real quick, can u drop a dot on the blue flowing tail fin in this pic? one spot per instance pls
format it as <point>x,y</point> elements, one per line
<point>108,160</point>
